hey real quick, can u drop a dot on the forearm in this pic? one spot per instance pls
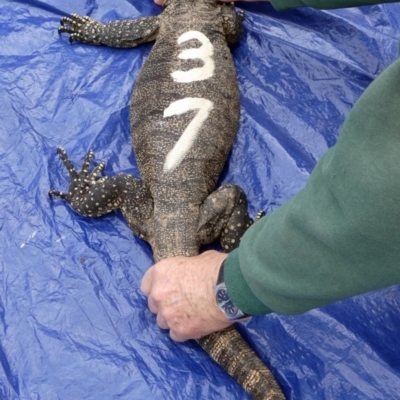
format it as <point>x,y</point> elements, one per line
<point>339,237</point>
<point>323,4</point>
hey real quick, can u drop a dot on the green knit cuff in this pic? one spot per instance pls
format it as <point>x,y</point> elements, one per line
<point>238,289</point>
<point>281,5</point>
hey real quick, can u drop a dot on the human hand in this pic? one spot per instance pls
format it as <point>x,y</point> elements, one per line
<point>180,291</point>
<point>160,2</point>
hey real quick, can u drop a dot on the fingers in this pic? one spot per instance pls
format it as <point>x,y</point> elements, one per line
<point>182,332</point>
<point>176,337</point>
<point>174,324</point>
<point>150,287</point>
<point>153,305</point>
<point>145,286</point>
<point>160,2</point>
<point>161,322</point>
<point>180,292</point>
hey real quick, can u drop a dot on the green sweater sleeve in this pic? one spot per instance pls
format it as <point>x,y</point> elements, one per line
<point>323,4</point>
<point>339,236</point>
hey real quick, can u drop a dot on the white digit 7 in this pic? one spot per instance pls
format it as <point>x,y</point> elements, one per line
<point>185,142</point>
<point>204,53</point>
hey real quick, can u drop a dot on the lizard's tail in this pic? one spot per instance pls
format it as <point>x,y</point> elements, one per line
<point>232,352</point>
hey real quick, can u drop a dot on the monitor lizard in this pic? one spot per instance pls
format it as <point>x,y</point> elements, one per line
<point>184,116</point>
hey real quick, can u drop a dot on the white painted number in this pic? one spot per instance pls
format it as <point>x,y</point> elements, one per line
<point>185,142</point>
<point>204,106</point>
<point>204,53</point>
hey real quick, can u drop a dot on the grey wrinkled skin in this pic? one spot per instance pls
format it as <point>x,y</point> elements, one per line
<point>177,210</point>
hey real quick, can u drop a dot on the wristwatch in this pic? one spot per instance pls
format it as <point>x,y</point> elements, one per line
<point>224,302</point>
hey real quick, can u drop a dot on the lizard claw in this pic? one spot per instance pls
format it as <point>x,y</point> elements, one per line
<point>80,182</point>
<point>57,193</point>
<point>82,29</point>
<point>259,215</point>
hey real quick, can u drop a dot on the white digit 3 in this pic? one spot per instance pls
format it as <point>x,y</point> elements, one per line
<point>185,142</point>
<point>204,53</point>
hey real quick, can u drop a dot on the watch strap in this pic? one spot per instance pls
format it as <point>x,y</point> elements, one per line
<point>221,286</point>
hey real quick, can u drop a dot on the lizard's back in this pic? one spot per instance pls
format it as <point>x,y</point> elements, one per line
<point>187,91</point>
<point>184,118</point>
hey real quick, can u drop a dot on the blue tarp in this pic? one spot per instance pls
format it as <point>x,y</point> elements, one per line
<point>73,322</point>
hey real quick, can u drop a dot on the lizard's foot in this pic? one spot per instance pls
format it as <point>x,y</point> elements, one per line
<point>82,29</point>
<point>87,194</point>
<point>80,181</point>
<point>224,215</point>
<point>232,23</point>
<point>93,197</point>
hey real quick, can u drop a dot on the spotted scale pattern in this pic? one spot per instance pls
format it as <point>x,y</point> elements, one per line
<point>122,34</point>
<point>177,210</point>
<point>224,215</point>
<point>93,197</point>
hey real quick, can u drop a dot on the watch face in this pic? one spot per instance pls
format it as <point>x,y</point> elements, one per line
<point>222,295</point>
<point>225,303</point>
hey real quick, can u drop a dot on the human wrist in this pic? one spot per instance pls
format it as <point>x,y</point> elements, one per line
<point>223,301</point>
<point>239,289</point>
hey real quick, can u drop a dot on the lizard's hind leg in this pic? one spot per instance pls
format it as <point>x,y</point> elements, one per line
<point>232,23</point>
<point>93,197</point>
<point>224,215</point>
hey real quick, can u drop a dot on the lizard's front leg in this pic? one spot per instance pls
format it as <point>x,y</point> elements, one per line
<point>92,197</point>
<point>124,34</point>
<point>224,215</point>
